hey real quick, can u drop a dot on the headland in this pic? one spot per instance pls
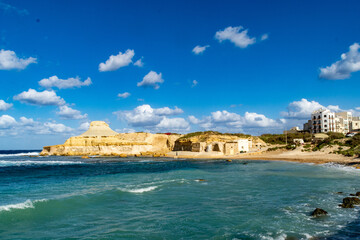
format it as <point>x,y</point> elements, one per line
<point>101,140</point>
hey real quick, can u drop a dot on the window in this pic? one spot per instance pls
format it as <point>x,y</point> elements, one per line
<point>325,125</point>
<point>324,115</point>
<point>325,120</point>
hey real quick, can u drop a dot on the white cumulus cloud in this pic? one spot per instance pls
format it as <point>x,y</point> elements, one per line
<point>66,112</point>
<point>173,124</point>
<point>11,127</point>
<point>154,119</point>
<point>54,81</point>
<point>124,95</point>
<point>258,120</point>
<point>342,69</point>
<point>139,63</point>
<point>199,49</point>
<point>233,122</point>
<point>57,127</point>
<point>301,109</point>
<point>166,111</point>
<point>44,98</point>
<point>194,83</point>
<point>9,60</point>
<point>84,126</point>
<point>5,106</point>
<point>117,61</point>
<point>7,121</point>
<point>237,35</point>
<point>151,80</point>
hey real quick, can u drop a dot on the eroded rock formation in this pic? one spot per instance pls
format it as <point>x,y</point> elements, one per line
<point>100,139</point>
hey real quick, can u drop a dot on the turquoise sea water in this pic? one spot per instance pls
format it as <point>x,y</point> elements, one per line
<point>149,198</point>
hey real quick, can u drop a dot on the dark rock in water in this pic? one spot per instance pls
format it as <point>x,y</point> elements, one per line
<point>346,205</point>
<point>318,212</point>
<point>357,194</point>
<point>245,163</point>
<point>349,202</point>
<point>352,200</point>
<point>351,194</point>
<point>339,192</point>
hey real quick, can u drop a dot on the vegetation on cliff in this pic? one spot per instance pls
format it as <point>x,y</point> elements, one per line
<point>283,139</point>
<point>346,146</point>
<point>205,134</point>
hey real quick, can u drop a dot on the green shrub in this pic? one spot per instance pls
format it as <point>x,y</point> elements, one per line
<point>335,135</point>
<point>281,138</point>
<point>290,147</point>
<point>354,141</point>
<point>275,148</point>
<point>194,134</point>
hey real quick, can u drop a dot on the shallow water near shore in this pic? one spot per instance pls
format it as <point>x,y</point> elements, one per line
<point>153,198</point>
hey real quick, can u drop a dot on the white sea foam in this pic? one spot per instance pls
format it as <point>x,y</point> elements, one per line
<point>27,204</point>
<point>20,154</point>
<point>308,236</point>
<point>342,167</point>
<point>4,163</point>
<point>282,236</point>
<point>138,190</point>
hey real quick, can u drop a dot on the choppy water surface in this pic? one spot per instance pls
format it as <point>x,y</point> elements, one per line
<point>110,198</point>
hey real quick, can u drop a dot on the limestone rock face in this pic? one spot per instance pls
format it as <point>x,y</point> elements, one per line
<point>100,139</point>
<point>185,143</point>
<point>99,128</point>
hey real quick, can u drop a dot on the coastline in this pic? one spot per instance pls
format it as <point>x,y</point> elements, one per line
<point>290,156</point>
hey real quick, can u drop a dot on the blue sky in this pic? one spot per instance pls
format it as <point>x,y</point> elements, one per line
<point>233,66</point>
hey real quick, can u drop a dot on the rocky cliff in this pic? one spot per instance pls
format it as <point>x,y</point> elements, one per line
<point>100,139</point>
<point>185,142</point>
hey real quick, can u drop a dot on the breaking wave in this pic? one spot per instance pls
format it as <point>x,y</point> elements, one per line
<point>341,167</point>
<point>38,162</point>
<point>27,204</point>
<point>20,154</point>
<point>138,190</point>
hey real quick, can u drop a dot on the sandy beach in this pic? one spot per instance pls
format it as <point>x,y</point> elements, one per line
<point>297,155</point>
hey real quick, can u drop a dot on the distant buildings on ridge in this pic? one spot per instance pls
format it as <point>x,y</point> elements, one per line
<point>324,121</point>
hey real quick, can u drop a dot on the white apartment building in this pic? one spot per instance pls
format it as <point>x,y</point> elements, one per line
<point>323,121</point>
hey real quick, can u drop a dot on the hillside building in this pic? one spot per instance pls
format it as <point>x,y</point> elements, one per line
<point>324,121</point>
